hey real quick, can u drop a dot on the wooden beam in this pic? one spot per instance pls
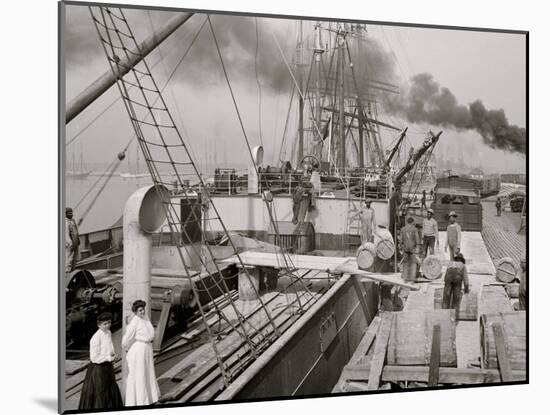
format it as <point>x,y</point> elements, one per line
<point>447,375</point>
<point>365,119</point>
<point>161,326</point>
<point>361,296</point>
<point>433,378</point>
<point>503,360</point>
<point>320,263</point>
<point>380,349</point>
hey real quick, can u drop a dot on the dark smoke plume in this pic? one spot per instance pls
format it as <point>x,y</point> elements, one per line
<point>427,102</point>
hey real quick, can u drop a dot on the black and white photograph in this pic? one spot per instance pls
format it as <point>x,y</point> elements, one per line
<point>260,207</point>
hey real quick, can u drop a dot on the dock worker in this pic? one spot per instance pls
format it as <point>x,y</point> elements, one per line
<point>454,236</point>
<point>455,276</point>
<point>498,205</point>
<point>523,285</point>
<point>72,240</point>
<point>302,201</point>
<point>410,241</point>
<point>430,233</point>
<point>368,221</point>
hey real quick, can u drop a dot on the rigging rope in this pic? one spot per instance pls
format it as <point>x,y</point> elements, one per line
<point>111,169</point>
<point>274,224</point>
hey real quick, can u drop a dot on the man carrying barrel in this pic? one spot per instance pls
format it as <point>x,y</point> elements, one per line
<point>410,241</point>
<point>455,276</point>
<point>430,234</point>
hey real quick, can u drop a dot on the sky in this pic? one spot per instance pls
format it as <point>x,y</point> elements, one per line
<point>462,66</point>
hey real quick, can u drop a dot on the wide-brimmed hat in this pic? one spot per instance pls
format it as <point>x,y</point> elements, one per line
<point>452,213</point>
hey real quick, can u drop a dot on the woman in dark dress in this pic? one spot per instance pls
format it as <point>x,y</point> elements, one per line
<point>100,390</point>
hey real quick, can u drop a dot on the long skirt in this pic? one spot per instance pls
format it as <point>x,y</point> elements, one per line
<point>141,385</point>
<point>100,390</point>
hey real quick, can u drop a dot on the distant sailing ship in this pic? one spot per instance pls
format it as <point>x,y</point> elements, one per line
<point>80,172</point>
<point>136,174</point>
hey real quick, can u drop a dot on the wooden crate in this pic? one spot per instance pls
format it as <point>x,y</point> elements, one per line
<point>411,338</point>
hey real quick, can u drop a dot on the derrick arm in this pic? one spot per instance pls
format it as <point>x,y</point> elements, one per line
<point>429,142</point>
<point>396,147</point>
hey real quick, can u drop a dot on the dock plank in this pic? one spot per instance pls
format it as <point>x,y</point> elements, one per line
<point>447,375</point>
<point>380,350</point>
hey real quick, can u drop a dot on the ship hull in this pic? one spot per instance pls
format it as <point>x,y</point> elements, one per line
<point>309,357</point>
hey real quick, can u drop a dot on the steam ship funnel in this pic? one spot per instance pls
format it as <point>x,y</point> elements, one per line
<point>143,215</point>
<point>254,168</point>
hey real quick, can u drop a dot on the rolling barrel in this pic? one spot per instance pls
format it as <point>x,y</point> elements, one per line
<point>411,336</point>
<point>431,267</point>
<point>385,246</point>
<point>366,254</point>
<point>514,328</point>
<point>506,269</point>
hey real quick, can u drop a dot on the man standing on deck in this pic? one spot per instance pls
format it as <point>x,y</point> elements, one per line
<point>455,276</point>
<point>498,205</point>
<point>410,240</point>
<point>454,236</point>
<point>302,201</point>
<point>368,221</point>
<point>430,234</point>
<point>72,240</point>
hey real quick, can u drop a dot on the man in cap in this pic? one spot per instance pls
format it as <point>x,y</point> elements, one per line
<point>455,276</point>
<point>72,240</point>
<point>368,221</point>
<point>410,241</point>
<point>454,236</point>
<point>430,233</point>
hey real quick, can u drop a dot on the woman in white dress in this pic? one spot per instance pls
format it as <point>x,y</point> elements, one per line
<point>141,385</point>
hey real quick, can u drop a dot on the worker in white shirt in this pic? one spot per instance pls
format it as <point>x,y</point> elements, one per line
<point>454,236</point>
<point>368,221</point>
<point>430,234</point>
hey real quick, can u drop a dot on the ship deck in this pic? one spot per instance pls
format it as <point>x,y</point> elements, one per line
<point>187,370</point>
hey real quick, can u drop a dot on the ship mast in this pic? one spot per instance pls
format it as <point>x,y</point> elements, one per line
<point>318,50</point>
<point>342,124</point>
<point>361,151</point>
<point>299,65</point>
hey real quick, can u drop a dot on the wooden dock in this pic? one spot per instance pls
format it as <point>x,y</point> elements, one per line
<point>500,234</point>
<point>375,365</point>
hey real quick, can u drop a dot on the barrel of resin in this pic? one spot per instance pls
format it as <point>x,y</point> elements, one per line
<point>366,254</point>
<point>410,340</point>
<point>514,329</point>
<point>431,267</point>
<point>385,245</point>
<point>506,269</point>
